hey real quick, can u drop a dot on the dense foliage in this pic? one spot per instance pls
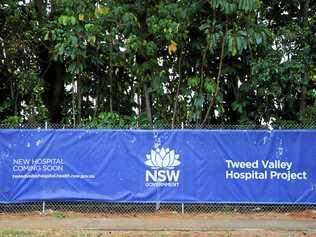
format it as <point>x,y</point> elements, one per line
<point>108,62</point>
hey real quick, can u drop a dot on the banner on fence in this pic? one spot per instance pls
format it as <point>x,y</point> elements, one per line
<point>196,166</point>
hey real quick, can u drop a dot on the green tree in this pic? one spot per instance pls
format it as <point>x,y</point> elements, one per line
<point>115,63</point>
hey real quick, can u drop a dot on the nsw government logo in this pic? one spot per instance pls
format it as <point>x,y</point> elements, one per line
<point>162,172</point>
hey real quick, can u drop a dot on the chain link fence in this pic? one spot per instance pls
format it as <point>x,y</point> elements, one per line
<point>63,209</point>
<point>93,208</point>
<point>161,125</point>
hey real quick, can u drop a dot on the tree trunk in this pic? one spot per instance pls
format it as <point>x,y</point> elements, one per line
<point>219,74</point>
<point>148,105</point>
<point>304,87</point>
<point>53,74</point>
<point>73,104</point>
<point>175,104</point>
<point>303,99</point>
<point>79,97</point>
<point>111,88</point>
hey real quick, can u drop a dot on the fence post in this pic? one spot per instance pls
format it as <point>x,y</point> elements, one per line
<point>43,207</point>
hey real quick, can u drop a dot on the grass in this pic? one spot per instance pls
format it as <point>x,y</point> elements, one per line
<point>58,214</point>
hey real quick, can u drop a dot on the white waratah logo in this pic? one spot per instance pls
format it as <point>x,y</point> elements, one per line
<point>163,171</point>
<point>162,158</point>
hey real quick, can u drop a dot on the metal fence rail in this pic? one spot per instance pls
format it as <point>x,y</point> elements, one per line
<point>64,208</point>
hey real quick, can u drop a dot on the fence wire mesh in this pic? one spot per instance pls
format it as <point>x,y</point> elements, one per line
<point>63,209</point>
<point>161,125</point>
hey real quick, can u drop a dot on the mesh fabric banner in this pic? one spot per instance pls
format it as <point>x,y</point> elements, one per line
<point>196,166</point>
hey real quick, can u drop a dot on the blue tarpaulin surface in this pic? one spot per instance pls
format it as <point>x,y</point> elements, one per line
<point>196,166</point>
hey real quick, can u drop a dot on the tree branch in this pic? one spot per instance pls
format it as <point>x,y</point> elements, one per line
<point>212,102</point>
<point>175,104</point>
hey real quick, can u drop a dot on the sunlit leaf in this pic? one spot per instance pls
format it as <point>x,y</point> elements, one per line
<point>81,17</point>
<point>172,47</point>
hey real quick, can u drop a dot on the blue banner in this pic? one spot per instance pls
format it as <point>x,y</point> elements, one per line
<point>195,166</point>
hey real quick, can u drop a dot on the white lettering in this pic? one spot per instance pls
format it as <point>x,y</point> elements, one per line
<point>277,164</point>
<point>162,175</point>
<point>151,176</point>
<point>288,175</point>
<point>242,164</point>
<point>173,176</point>
<point>21,162</point>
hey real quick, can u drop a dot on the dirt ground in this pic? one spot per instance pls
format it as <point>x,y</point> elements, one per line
<point>163,223</point>
<point>244,233</point>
